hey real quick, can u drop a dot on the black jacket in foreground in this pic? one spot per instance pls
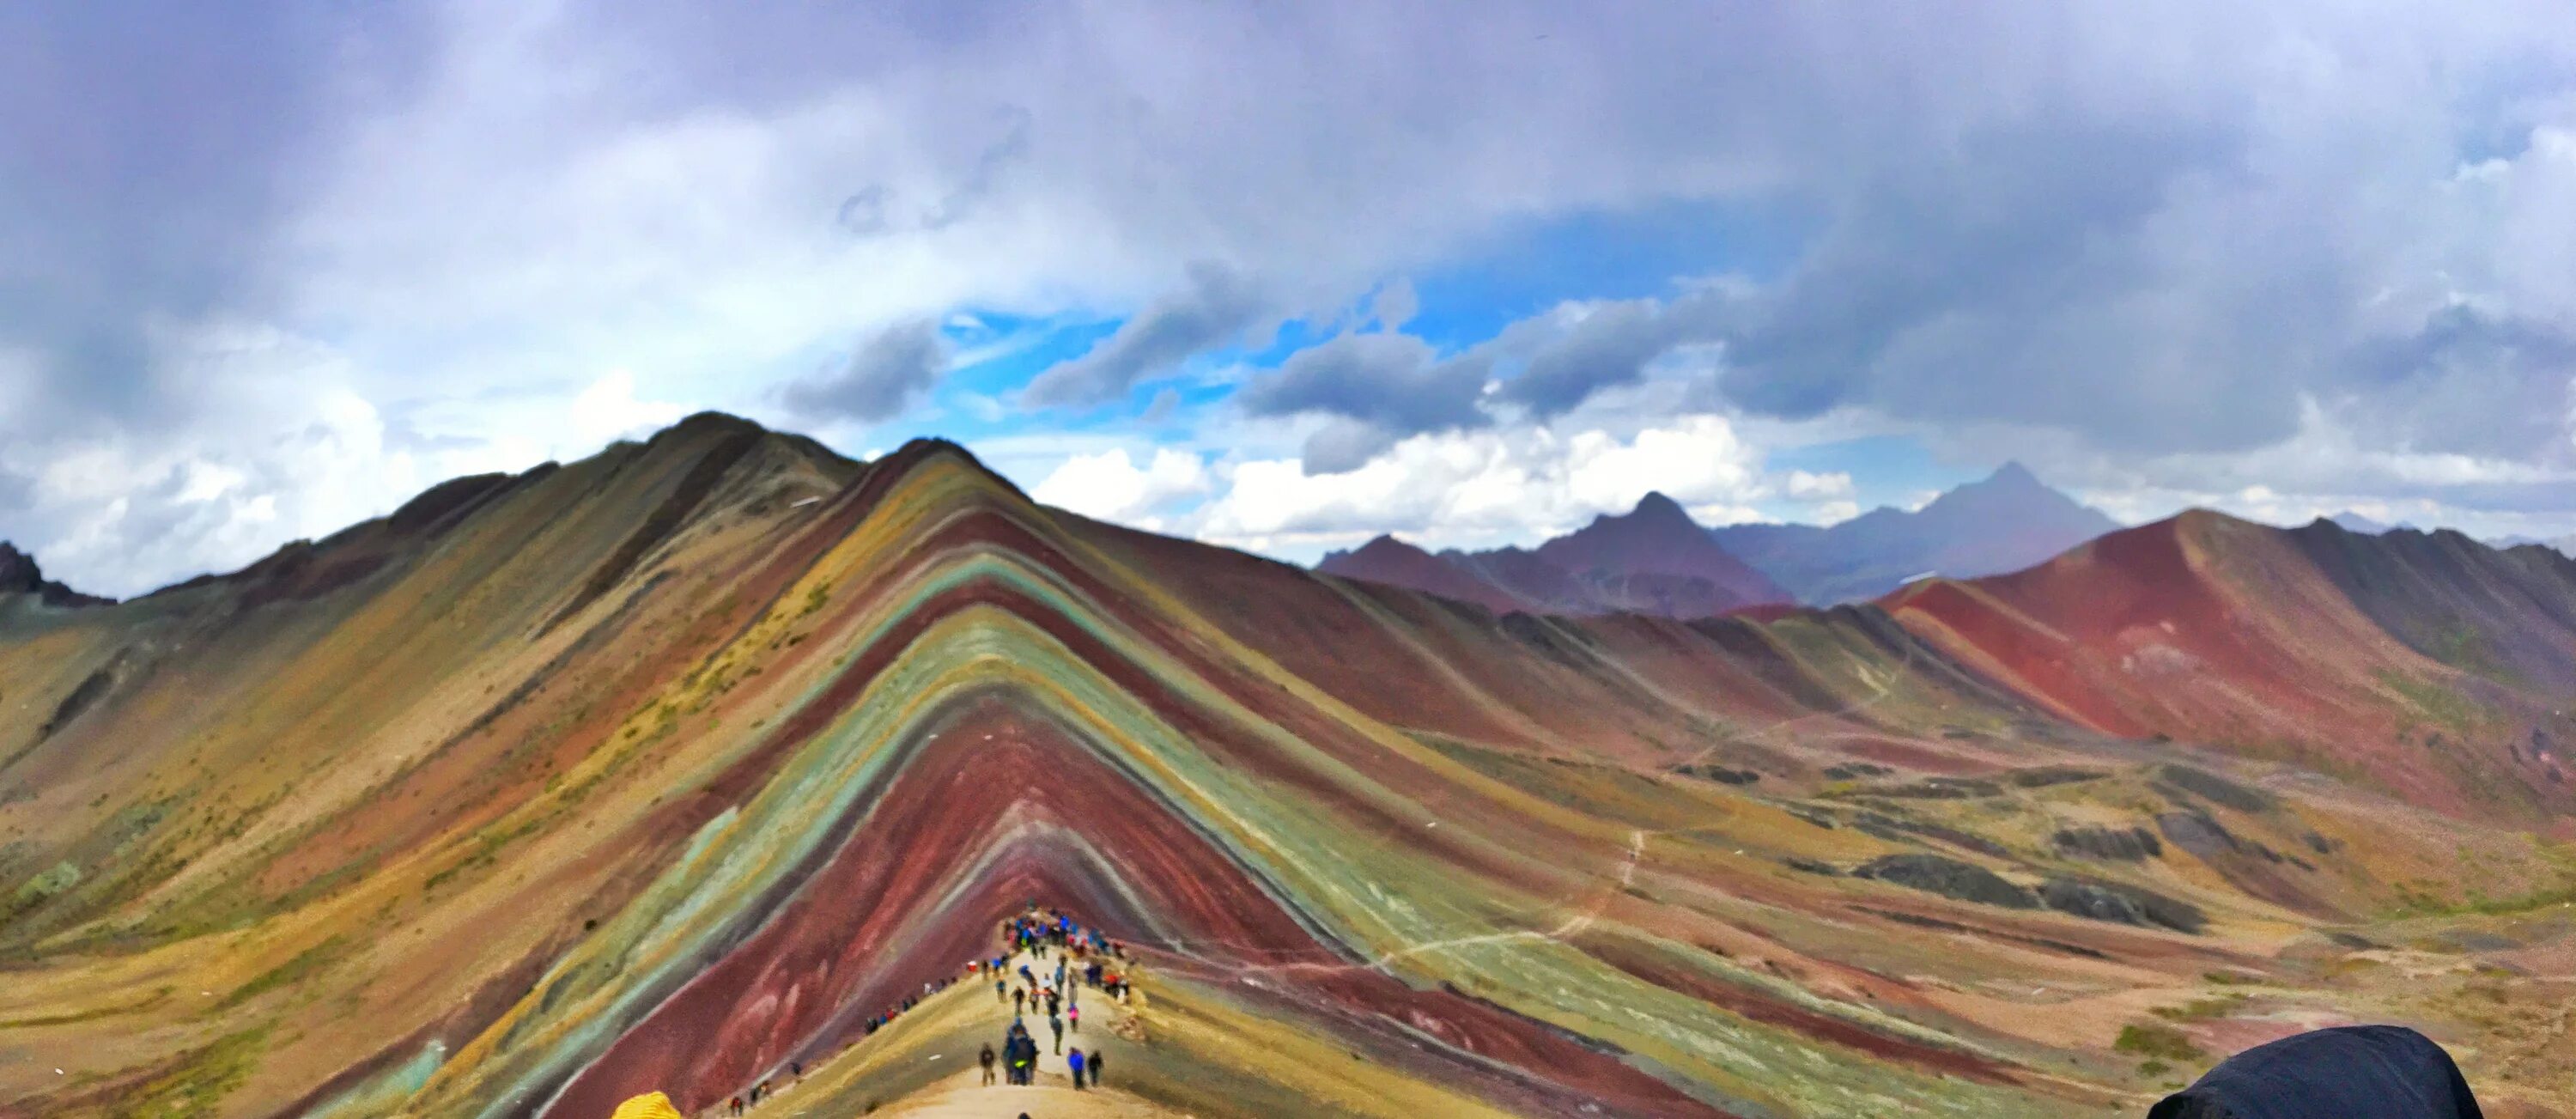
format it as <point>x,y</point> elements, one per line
<point>2349,1072</point>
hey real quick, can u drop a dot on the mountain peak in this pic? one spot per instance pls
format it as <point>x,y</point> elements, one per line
<point>20,575</point>
<point>2014,475</point>
<point>18,570</point>
<point>2014,491</point>
<point>2006,521</point>
<point>1386,559</point>
<point>1656,505</point>
<point>1383,544</point>
<point>1659,538</point>
<point>2352,521</point>
<point>712,420</point>
<point>1654,517</point>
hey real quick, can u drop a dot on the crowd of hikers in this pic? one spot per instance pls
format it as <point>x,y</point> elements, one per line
<point>2346,1072</point>
<point>1064,959</point>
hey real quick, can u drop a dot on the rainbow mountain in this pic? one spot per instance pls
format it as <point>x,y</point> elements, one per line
<point>671,768</point>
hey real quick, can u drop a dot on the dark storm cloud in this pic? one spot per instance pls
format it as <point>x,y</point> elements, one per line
<point>1609,347</point>
<point>1378,388</point>
<point>2495,385</point>
<point>1217,307</point>
<point>149,155</point>
<point>2027,275</point>
<point>1384,386</point>
<point>887,373</point>
<point>2190,229</point>
<point>143,160</point>
<point>1394,381</point>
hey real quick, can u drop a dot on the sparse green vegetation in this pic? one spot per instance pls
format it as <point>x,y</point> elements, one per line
<point>2463,647</point>
<point>2419,899</point>
<point>305,964</point>
<point>2199,1010</point>
<point>198,1082</point>
<point>54,880</point>
<point>2162,1042</point>
<point>93,1014</point>
<point>2443,706</point>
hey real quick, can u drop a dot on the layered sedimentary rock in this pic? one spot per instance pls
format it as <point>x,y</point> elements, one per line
<point>667,769</point>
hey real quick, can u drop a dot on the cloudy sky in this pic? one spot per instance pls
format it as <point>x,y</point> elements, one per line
<point>1285,275</point>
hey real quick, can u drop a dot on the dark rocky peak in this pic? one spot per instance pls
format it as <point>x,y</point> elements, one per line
<point>1655,518</point>
<point>1383,545</point>
<point>1656,506</point>
<point>18,570</point>
<point>20,575</point>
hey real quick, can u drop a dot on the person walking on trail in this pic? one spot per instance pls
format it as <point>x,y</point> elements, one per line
<point>1057,1024</point>
<point>1098,1058</point>
<point>1073,1018</point>
<point>737,1105</point>
<point>1073,1061</point>
<point>985,1059</point>
<point>1020,1051</point>
<point>1019,1000</point>
<point>1001,990</point>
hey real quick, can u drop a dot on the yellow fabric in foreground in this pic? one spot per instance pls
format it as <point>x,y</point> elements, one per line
<point>650,1105</point>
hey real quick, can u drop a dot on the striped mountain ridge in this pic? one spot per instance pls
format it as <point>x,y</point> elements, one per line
<point>2426,663</point>
<point>671,767</point>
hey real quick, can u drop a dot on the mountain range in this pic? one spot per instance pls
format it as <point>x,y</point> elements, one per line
<point>1655,560</point>
<point>2005,522</point>
<point>2563,545</point>
<point>1651,560</point>
<point>690,764</point>
<point>2355,522</point>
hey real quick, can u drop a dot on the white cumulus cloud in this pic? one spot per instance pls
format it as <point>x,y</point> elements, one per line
<point>1488,487</point>
<point>1110,486</point>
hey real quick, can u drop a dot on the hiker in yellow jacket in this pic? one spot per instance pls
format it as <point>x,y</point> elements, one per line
<point>650,1105</point>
